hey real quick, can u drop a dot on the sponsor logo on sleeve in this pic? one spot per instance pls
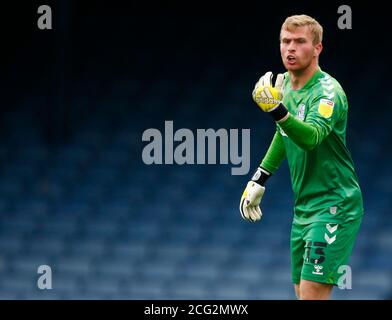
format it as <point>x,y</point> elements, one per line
<point>325,108</point>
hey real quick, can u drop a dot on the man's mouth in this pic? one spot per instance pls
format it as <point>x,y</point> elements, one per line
<point>291,59</point>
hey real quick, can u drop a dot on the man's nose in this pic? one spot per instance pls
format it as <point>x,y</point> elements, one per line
<point>291,47</point>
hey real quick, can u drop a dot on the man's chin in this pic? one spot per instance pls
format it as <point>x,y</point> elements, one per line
<point>294,68</point>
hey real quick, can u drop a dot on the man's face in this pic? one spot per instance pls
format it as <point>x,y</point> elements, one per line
<point>297,49</point>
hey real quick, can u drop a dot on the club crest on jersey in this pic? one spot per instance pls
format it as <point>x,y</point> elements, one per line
<point>325,108</point>
<point>332,210</point>
<point>301,112</point>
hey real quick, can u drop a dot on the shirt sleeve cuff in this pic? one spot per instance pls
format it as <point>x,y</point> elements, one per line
<point>279,112</point>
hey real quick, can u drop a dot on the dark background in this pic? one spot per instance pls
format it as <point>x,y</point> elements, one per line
<point>75,194</point>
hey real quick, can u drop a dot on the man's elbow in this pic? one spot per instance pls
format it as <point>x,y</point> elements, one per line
<point>306,146</point>
<point>309,147</point>
<point>312,142</point>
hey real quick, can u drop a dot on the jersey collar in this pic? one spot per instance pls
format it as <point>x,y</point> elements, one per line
<point>311,81</point>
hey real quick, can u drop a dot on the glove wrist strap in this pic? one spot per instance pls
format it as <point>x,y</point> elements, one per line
<point>279,112</point>
<point>261,176</point>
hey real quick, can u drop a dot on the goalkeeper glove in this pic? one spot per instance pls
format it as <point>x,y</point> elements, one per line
<point>252,195</point>
<point>269,98</point>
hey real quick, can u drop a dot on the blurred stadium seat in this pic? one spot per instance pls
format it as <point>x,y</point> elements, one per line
<point>113,228</point>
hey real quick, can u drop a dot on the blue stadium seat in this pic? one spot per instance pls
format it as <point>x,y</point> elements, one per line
<point>112,227</point>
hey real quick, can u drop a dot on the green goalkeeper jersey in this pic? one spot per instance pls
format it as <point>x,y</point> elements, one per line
<point>322,172</point>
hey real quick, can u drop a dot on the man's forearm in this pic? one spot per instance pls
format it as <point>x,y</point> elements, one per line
<point>276,153</point>
<point>301,133</point>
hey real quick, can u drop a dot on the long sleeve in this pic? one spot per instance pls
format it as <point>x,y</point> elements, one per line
<point>320,121</point>
<point>304,135</point>
<point>276,153</point>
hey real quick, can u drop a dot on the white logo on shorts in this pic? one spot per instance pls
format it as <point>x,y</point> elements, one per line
<point>318,269</point>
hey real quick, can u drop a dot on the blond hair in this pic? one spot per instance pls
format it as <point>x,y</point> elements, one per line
<point>293,22</point>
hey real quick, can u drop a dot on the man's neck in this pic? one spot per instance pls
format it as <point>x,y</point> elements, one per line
<point>299,78</point>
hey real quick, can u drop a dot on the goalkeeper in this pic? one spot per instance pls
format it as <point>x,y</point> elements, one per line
<point>310,110</point>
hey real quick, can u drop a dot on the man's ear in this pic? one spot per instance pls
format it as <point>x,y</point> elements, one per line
<point>317,49</point>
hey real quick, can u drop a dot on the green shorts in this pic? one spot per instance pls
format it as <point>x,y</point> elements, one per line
<point>320,248</point>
